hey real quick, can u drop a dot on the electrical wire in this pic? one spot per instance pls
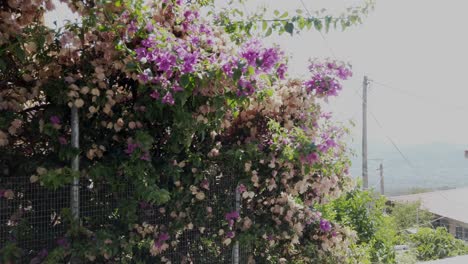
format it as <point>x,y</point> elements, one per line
<point>432,101</point>
<point>321,34</point>
<point>393,143</point>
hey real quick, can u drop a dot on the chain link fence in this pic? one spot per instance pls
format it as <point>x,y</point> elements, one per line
<point>32,218</point>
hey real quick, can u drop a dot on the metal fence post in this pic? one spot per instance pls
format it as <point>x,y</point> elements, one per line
<point>235,249</point>
<point>75,188</point>
<point>75,165</point>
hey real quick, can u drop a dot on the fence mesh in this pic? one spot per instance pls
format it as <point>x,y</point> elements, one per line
<point>33,218</point>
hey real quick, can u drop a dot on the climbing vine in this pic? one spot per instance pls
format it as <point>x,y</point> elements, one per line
<point>167,103</point>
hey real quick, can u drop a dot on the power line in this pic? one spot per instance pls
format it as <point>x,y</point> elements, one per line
<point>425,99</point>
<point>321,34</point>
<point>405,158</point>
<point>391,140</point>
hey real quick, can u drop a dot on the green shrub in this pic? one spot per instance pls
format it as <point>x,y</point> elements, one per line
<point>437,243</point>
<point>363,212</point>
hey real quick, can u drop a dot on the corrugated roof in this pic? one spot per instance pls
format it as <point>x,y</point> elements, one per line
<point>448,203</point>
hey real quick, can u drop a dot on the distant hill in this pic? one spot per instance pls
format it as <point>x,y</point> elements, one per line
<point>435,166</point>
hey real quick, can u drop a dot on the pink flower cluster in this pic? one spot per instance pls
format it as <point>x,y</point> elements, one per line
<point>163,237</point>
<point>326,77</point>
<point>231,217</point>
<point>132,147</point>
<point>252,61</point>
<point>165,57</point>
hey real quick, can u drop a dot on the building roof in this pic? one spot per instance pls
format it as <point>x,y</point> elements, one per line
<point>448,203</point>
<point>453,260</point>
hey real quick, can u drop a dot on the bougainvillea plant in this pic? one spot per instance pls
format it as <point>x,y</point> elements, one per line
<point>168,105</point>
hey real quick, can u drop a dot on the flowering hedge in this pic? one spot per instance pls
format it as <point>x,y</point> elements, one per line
<point>167,102</point>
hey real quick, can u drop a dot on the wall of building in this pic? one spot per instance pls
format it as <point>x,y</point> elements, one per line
<point>456,228</point>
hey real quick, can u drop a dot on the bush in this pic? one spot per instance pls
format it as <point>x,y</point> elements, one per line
<point>363,212</point>
<point>437,243</point>
<point>167,104</point>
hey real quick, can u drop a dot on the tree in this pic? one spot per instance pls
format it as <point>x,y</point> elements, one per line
<point>363,212</point>
<point>408,215</point>
<point>168,105</point>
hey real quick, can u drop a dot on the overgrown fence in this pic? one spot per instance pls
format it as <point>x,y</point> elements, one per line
<point>33,218</point>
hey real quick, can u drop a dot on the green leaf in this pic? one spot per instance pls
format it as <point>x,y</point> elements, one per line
<point>328,21</point>
<point>276,12</point>
<point>19,53</point>
<point>264,26</point>
<point>289,27</point>
<point>269,31</point>
<point>3,65</point>
<point>251,70</point>
<point>318,24</point>
<point>185,81</point>
<point>237,74</point>
<point>284,15</point>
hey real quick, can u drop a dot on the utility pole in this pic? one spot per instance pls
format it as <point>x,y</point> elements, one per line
<point>417,217</point>
<point>365,178</point>
<point>382,186</point>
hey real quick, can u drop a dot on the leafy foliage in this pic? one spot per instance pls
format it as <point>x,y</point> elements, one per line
<point>406,215</point>
<point>239,23</point>
<point>168,105</point>
<point>437,243</point>
<point>363,211</point>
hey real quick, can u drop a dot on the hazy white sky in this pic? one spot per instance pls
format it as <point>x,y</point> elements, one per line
<point>417,47</point>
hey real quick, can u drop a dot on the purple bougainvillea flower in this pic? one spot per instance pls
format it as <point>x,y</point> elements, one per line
<point>132,27</point>
<point>328,144</point>
<point>269,58</point>
<point>311,158</point>
<point>43,253</point>
<point>281,71</point>
<point>190,59</point>
<point>231,217</point>
<point>230,234</point>
<point>131,147</point>
<point>241,188</point>
<point>251,52</point>
<point>161,239</point>
<point>144,204</point>
<point>166,61</point>
<point>62,140</point>
<point>149,27</point>
<point>168,99</point>
<point>325,226</point>
<point>164,236</point>
<point>154,94</point>
<point>145,156</point>
<point>55,120</point>
<point>35,260</point>
<point>205,184</point>
<point>63,242</point>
